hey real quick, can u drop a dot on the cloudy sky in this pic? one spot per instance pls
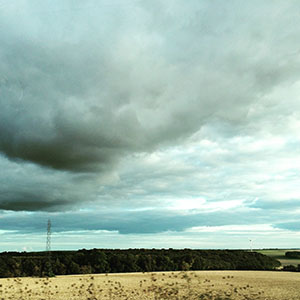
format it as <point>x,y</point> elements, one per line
<point>149,123</point>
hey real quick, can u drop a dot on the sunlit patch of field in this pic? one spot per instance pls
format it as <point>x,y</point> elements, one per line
<point>205,285</point>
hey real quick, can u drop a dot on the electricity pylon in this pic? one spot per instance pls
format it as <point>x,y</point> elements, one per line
<point>48,265</point>
<point>48,242</point>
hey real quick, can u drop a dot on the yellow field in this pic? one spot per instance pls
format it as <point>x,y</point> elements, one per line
<point>218,285</point>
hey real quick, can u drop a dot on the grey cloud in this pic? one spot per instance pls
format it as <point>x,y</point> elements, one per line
<point>20,201</point>
<point>27,187</point>
<point>119,82</point>
<point>285,205</point>
<point>89,89</point>
<point>293,226</point>
<point>154,221</point>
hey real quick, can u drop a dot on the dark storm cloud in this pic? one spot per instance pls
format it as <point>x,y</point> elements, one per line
<point>83,85</point>
<point>28,202</point>
<point>27,187</point>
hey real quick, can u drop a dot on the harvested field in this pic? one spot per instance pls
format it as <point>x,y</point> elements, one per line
<point>218,285</point>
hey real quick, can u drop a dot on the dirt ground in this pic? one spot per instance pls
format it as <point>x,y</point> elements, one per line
<point>218,285</point>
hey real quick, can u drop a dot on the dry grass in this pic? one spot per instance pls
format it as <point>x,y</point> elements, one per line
<point>201,285</point>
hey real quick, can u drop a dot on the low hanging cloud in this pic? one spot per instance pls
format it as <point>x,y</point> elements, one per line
<point>125,222</point>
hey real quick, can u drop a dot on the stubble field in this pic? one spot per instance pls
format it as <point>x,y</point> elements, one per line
<point>212,285</point>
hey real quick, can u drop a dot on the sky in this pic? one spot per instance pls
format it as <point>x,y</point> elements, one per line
<point>149,124</point>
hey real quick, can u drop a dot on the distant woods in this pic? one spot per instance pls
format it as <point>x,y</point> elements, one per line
<point>292,255</point>
<point>16,264</point>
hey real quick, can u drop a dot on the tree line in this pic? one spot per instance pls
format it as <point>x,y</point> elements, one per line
<point>18,264</point>
<point>293,254</point>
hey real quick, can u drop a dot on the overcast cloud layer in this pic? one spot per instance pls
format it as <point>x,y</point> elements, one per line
<point>150,118</point>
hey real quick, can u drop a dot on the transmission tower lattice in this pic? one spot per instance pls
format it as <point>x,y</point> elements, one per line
<point>48,243</point>
<point>48,269</point>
